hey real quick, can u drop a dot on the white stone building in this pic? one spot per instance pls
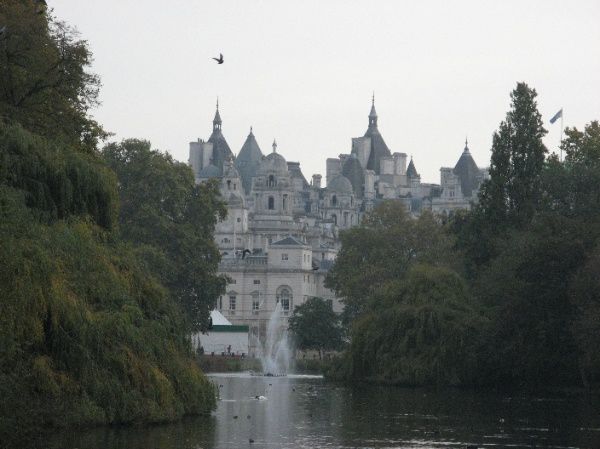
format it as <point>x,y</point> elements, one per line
<point>281,234</point>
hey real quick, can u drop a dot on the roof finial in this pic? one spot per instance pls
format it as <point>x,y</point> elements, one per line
<point>466,150</point>
<point>373,99</point>
<point>250,129</point>
<point>217,103</point>
<point>274,146</point>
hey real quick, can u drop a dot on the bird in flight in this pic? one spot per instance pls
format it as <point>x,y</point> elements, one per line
<point>220,59</point>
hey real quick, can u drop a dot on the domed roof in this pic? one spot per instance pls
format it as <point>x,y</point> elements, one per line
<point>229,171</point>
<point>340,184</point>
<point>210,171</point>
<point>273,163</point>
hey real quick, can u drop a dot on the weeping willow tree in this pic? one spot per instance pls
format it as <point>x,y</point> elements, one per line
<point>88,333</point>
<point>420,330</point>
<point>412,320</point>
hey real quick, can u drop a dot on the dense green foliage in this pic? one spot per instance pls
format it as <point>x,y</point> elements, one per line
<point>90,330</point>
<point>87,334</point>
<point>314,325</point>
<point>171,221</point>
<point>513,297</point>
<point>45,84</point>
<point>413,322</point>
<point>380,250</point>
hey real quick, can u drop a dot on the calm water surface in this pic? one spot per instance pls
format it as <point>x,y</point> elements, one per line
<point>306,412</point>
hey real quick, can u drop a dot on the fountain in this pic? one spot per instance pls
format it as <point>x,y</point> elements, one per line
<point>276,354</point>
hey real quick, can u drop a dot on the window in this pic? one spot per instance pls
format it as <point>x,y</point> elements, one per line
<point>239,220</point>
<point>234,186</point>
<point>228,184</point>
<point>271,181</point>
<point>256,281</point>
<point>284,257</point>
<point>220,302</point>
<point>284,203</point>
<point>233,281</point>
<point>334,218</point>
<point>271,203</point>
<point>334,200</point>
<point>232,299</point>
<point>255,302</point>
<point>284,295</point>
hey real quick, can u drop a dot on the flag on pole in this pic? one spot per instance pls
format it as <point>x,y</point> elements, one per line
<point>556,116</point>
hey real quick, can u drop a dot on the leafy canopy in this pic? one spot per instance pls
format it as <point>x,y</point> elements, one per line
<point>171,221</point>
<point>315,325</point>
<point>45,84</point>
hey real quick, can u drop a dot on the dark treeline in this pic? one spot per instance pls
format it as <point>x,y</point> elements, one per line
<point>504,295</point>
<point>107,260</point>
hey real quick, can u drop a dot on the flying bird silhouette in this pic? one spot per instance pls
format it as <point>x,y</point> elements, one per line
<point>220,59</point>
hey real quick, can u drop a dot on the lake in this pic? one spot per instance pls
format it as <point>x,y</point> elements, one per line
<point>307,412</point>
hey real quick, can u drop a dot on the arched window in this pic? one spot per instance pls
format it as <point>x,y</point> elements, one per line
<point>284,296</point>
<point>284,203</point>
<point>228,184</point>
<point>334,218</point>
<point>334,200</point>
<point>271,203</point>
<point>271,181</point>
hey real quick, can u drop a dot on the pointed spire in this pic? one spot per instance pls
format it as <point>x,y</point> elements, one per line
<point>411,171</point>
<point>373,113</point>
<point>274,146</point>
<point>466,150</point>
<point>217,120</point>
<point>250,132</point>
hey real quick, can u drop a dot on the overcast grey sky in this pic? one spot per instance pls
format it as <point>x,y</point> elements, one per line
<point>303,72</point>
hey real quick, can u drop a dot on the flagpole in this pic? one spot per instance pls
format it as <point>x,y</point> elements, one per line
<point>561,132</point>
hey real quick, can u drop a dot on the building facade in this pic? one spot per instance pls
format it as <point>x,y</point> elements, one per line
<point>280,236</point>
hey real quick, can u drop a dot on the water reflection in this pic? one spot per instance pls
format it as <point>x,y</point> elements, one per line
<point>306,412</point>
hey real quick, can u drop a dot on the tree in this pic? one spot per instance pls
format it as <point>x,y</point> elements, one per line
<point>171,221</point>
<point>88,335</point>
<point>381,249</point>
<point>525,289</point>
<point>572,186</point>
<point>45,84</point>
<point>421,330</point>
<point>514,190</point>
<point>585,297</point>
<point>316,326</point>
